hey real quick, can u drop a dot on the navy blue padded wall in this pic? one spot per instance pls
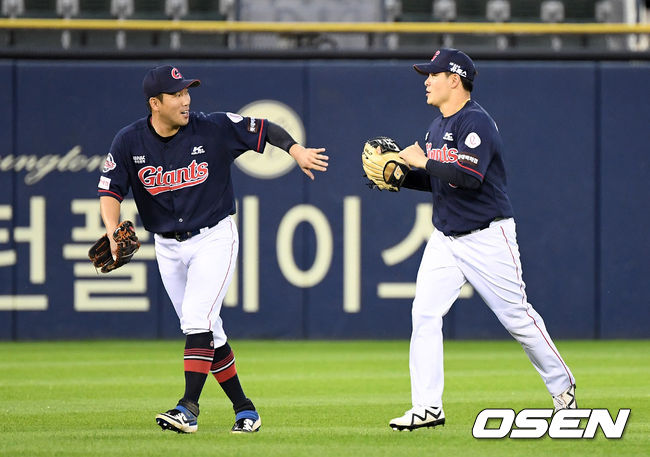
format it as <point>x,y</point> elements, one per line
<point>625,200</point>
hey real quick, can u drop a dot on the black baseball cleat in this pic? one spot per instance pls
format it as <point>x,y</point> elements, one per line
<point>419,417</point>
<point>247,422</point>
<point>179,420</point>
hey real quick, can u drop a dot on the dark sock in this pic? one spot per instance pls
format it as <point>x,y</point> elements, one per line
<point>198,356</point>
<point>190,405</point>
<point>224,371</point>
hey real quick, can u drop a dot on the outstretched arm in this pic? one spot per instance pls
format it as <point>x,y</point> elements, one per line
<point>308,158</point>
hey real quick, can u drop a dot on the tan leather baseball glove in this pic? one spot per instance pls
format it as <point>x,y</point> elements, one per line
<point>384,168</point>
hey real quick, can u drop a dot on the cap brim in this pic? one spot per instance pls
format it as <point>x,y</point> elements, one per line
<point>182,84</point>
<point>428,68</point>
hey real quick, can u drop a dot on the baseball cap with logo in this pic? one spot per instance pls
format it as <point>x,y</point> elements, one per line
<point>448,59</point>
<point>165,79</point>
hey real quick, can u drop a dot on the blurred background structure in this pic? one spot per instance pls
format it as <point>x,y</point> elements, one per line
<point>201,25</point>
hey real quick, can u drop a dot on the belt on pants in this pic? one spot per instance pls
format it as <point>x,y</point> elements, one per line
<point>183,236</point>
<point>469,232</point>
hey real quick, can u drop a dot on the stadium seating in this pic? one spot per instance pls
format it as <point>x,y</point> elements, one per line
<point>433,11</point>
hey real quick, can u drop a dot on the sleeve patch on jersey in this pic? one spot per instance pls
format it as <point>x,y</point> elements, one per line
<point>468,159</point>
<point>104,183</point>
<point>235,117</point>
<point>253,125</point>
<point>109,164</point>
<point>473,140</point>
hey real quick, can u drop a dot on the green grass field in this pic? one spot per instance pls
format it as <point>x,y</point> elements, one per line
<point>315,399</point>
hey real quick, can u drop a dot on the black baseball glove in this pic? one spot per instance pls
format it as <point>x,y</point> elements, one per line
<point>127,245</point>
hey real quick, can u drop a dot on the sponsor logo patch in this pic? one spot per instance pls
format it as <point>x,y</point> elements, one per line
<point>198,150</point>
<point>253,125</point>
<point>104,183</point>
<point>473,140</point>
<point>467,158</point>
<point>109,163</point>
<point>138,159</point>
<point>448,136</point>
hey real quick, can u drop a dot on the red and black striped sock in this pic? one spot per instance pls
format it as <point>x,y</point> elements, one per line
<point>224,371</point>
<point>199,353</point>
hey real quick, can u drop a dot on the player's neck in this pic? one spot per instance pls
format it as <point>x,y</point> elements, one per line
<point>162,128</point>
<point>454,104</point>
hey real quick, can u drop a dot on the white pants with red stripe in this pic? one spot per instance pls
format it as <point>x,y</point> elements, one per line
<point>489,261</point>
<point>196,274</point>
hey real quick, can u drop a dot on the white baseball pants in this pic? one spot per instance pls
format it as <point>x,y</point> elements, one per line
<point>196,274</point>
<point>489,261</point>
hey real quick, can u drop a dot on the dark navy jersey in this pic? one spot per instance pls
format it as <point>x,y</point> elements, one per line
<point>185,183</point>
<point>469,140</point>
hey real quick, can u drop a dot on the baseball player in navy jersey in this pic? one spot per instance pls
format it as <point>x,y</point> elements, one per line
<point>177,164</point>
<point>474,240</point>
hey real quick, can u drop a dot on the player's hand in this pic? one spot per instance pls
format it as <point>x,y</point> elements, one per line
<point>113,247</point>
<point>309,159</point>
<point>414,156</point>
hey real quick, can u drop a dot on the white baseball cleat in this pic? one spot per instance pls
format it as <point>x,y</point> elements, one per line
<point>247,422</point>
<point>179,419</point>
<point>418,417</point>
<point>566,400</point>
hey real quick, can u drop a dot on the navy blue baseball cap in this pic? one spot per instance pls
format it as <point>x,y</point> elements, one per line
<point>165,79</point>
<point>448,59</point>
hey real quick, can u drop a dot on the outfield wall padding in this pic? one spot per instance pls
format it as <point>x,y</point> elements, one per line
<point>323,259</point>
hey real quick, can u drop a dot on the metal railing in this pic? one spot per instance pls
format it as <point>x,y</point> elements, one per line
<point>475,28</point>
